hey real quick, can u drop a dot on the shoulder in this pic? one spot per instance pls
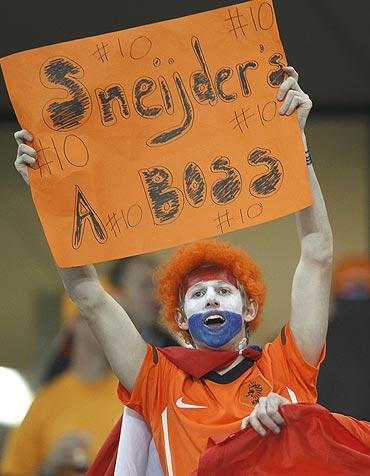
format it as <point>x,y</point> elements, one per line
<point>285,349</point>
<point>282,346</point>
<point>164,357</point>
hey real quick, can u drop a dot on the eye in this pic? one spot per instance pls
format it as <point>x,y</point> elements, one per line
<point>198,294</point>
<point>224,291</point>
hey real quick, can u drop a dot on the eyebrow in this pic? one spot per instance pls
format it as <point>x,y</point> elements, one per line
<point>201,285</point>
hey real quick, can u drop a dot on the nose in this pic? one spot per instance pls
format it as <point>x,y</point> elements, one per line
<point>212,299</point>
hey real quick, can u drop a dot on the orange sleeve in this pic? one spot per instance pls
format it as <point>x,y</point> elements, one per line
<point>289,367</point>
<point>151,388</point>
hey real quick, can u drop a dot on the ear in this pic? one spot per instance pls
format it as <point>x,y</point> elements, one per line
<point>181,320</point>
<point>250,311</point>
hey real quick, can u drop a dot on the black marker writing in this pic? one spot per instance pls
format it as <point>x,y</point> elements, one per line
<point>84,213</point>
<point>106,98</point>
<point>194,185</point>
<point>165,202</point>
<point>227,189</point>
<point>266,184</point>
<point>67,114</point>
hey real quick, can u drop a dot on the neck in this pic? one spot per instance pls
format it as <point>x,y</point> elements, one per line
<point>237,361</point>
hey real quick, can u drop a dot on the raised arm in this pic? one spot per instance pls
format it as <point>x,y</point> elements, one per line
<point>123,346</point>
<point>312,278</point>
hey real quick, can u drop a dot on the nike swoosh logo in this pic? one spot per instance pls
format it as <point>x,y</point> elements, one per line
<point>181,404</point>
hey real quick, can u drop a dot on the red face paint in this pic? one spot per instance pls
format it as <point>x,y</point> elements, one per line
<point>208,272</point>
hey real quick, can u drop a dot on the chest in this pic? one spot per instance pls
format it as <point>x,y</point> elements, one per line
<point>221,402</point>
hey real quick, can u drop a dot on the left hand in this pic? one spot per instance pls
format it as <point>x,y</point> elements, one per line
<point>294,99</point>
<point>266,414</point>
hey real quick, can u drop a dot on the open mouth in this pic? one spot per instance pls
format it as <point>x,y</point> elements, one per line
<point>214,320</point>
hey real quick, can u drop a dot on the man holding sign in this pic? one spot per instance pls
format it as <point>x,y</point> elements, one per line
<point>213,294</point>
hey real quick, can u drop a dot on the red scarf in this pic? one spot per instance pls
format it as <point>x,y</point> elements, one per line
<point>198,362</point>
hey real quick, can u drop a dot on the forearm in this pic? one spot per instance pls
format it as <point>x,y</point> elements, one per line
<point>83,286</point>
<point>123,346</point>
<point>313,225</point>
<point>312,278</point>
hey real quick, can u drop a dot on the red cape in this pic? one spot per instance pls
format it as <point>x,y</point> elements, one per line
<point>313,442</point>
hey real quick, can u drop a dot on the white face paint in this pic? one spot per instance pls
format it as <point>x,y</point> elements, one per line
<point>207,295</point>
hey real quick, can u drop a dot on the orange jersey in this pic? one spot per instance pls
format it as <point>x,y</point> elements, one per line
<point>183,412</point>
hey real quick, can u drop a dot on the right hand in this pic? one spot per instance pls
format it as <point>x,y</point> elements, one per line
<point>69,452</point>
<point>266,414</point>
<point>26,155</point>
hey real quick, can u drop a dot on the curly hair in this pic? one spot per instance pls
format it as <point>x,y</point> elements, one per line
<point>169,277</point>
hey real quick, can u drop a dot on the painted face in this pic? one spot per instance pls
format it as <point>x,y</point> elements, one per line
<point>214,310</point>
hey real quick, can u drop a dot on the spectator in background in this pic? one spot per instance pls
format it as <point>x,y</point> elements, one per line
<point>71,414</point>
<point>77,406</point>
<point>344,383</point>
<point>131,280</point>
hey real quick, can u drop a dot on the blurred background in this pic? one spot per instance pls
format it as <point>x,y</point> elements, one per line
<point>327,41</point>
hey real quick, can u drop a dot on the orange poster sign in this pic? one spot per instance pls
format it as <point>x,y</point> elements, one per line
<point>160,134</point>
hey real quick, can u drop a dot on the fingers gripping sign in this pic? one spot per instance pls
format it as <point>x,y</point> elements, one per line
<point>266,414</point>
<point>26,155</point>
<point>294,99</point>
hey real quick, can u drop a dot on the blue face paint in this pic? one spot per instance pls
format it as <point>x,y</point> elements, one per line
<point>215,335</point>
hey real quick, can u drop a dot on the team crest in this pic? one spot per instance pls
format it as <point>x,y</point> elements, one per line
<point>252,390</point>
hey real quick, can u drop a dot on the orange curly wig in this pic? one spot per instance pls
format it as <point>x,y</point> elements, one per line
<point>169,277</point>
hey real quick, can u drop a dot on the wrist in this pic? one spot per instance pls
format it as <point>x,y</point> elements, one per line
<point>304,140</point>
